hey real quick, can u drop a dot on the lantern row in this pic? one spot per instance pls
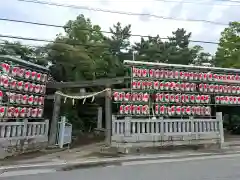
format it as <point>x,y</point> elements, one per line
<point>185,87</point>
<point>15,71</point>
<point>183,75</point>
<point>165,110</point>
<point>13,84</point>
<point>161,97</point>
<point>183,110</point>
<point>16,112</point>
<point>227,100</point>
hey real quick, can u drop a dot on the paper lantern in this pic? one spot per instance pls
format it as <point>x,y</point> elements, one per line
<point>139,84</point>
<point>183,86</point>
<point>145,109</point>
<point>177,98</point>
<point>220,88</point>
<point>228,77</point>
<point>40,101</point>
<point>20,85</point>
<point>39,75</point>
<point>198,110</point>
<point>33,75</point>
<point>166,97</point>
<point>209,76</point>
<point>188,110</point>
<point>177,86</point>
<point>161,85</point>
<point>211,88</point>
<point>40,113</point>
<point>234,100</point>
<point>222,100</point>
<point>238,89</point>
<point>145,97</point>
<point>169,111</point>
<point>156,109</point>
<point>187,87</point>
<point>192,87</point>
<point>4,81</point>
<point>140,96</point>
<point>198,99</point>
<point>176,75</point>
<point>18,98</point>
<point>149,84</point>
<point>238,100</point>
<point>215,77</point>
<point>16,112</point>
<point>134,72</point>
<point>216,88</point>
<point>156,85</point>
<point>166,86</point>
<point>1,95</point>
<point>202,110</point>
<point>172,86</point>
<point>152,73</point>
<point>226,100</point>
<point>121,109</point>
<point>14,71</point>
<point>190,75</point>
<point>121,96</point>
<point>192,99</point>
<point>207,99</point>
<point>157,73</point>
<point>24,99</point>
<point>162,110</point>
<point>181,75</point>
<point>234,89</point>
<point>30,100</point>
<point>144,85</point>
<point>160,97</point>
<point>161,74</point>
<point>127,96</point>
<point>186,75</point>
<point>35,100</point>
<point>205,77</point>
<point>183,98</point>
<point>170,74</point>
<point>21,72</point>
<point>127,109</point>
<point>116,96</point>
<point>237,78</point>
<point>13,84</point>
<point>183,110</point>
<point>201,87</point>
<point>5,67</point>
<point>26,86</point>
<point>2,111</point>
<point>205,88</point>
<point>193,110</point>
<point>139,109</point>
<point>200,76</point>
<point>23,112</point>
<point>134,97</point>
<point>229,89</point>
<point>34,112</point>
<point>224,77</point>
<point>144,72</point>
<point>165,74</point>
<point>217,99</point>
<point>42,89</point>
<point>178,110</point>
<point>28,112</point>
<point>11,97</point>
<point>202,98</point>
<point>195,76</point>
<point>172,98</point>
<point>230,100</point>
<point>10,111</point>
<point>134,85</point>
<point>173,110</point>
<point>208,111</point>
<point>225,89</point>
<point>27,74</point>
<point>187,98</point>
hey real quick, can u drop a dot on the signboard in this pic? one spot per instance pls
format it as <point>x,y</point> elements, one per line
<point>159,89</point>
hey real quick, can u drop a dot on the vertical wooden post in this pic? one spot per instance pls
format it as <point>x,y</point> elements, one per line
<point>55,117</point>
<point>108,116</point>
<point>99,120</point>
<point>221,130</point>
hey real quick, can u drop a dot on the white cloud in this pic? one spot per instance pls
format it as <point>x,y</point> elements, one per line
<point>144,25</point>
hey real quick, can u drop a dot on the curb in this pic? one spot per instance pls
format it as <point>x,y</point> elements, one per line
<point>71,165</point>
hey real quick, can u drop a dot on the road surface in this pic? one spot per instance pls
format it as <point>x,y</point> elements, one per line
<point>203,168</point>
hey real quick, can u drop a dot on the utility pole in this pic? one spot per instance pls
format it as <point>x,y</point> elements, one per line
<point>108,116</point>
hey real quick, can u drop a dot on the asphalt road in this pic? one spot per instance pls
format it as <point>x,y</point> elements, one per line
<point>206,168</point>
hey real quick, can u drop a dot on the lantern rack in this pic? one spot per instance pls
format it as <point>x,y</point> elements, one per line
<point>22,89</point>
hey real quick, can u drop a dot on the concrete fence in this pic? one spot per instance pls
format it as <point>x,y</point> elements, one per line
<point>161,132</point>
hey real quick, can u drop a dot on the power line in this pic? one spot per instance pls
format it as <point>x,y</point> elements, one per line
<point>199,2</point>
<point>108,32</point>
<point>121,12</point>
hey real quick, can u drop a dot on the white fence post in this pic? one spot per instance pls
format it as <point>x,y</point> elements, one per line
<point>61,131</point>
<point>46,127</point>
<point>127,123</point>
<point>221,131</point>
<point>25,128</point>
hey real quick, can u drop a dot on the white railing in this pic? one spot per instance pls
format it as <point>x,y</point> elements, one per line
<point>160,132</point>
<point>23,130</point>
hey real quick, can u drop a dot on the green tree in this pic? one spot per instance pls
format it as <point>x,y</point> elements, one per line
<point>228,52</point>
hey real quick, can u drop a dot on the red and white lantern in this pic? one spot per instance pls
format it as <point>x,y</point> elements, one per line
<point>205,77</point>
<point>39,75</point>
<point>40,113</point>
<point>183,110</point>
<point>30,100</point>
<point>225,89</point>
<point>10,111</point>
<point>186,75</point>
<point>172,86</point>
<point>187,98</point>
<point>23,112</point>
<point>4,81</point>
<point>192,87</point>
<point>28,112</point>
<point>1,95</point>
<point>198,99</point>
<point>40,101</point>
<point>183,98</point>
<point>222,100</point>
<point>33,75</point>
<point>13,84</point>
<point>24,99</point>
<point>216,88</point>
<point>14,71</point>
<point>20,85</point>
<point>144,72</point>
<point>5,67</point>
<point>187,87</point>
<point>11,97</point>
<point>200,76</point>
<point>220,88</point>
<point>193,110</point>
<point>134,72</point>
<point>208,111</point>
<point>31,87</point>
<point>226,100</point>
<point>18,98</point>
<point>161,85</point>
<point>127,96</point>
<point>121,96</point>
<point>21,72</point>
<point>16,112</point>
<point>139,84</point>
<point>209,76</point>
<point>234,89</point>
<point>234,100</point>
<point>145,109</point>
<point>140,96</point>
<point>230,100</point>
<point>176,75</point>
<point>37,88</point>
<point>159,97</point>
<point>34,112</point>
<point>156,109</point>
<point>198,110</point>
<point>211,87</point>
<point>217,99</point>
<point>188,110</point>
<point>134,85</point>
<point>177,86</point>
<point>166,86</point>
<point>172,98</point>
<point>190,76</point>
<point>161,74</point>
<point>127,109</point>
<point>181,75</point>
<point>207,99</point>
<point>26,86</point>
<point>224,77</point>
<point>238,89</point>
<point>134,97</point>
<point>157,73</point>
<point>2,111</point>
<point>27,74</point>
<point>229,89</point>
<point>145,97</point>
<point>144,84</point>
<point>139,109</point>
<point>201,87</point>
<point>162,110</point>
<point>183,86</point>
<point>195,76</point>
<point>35,100</point>
<point>121,109</point>
<point>170,74</point>
<point>178,110</point>
<point>152,73</point>
<point>115,96</point>
<point>192,98</point>
<point>169,111</point>
<point>177,98</point>
<point>166,97</point>
<point>156,85</point>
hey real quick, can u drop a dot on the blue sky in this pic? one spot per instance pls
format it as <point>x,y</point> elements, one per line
<point>212,10</point>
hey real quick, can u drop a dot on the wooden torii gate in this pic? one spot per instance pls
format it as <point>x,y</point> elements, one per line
<point>107,83</point>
